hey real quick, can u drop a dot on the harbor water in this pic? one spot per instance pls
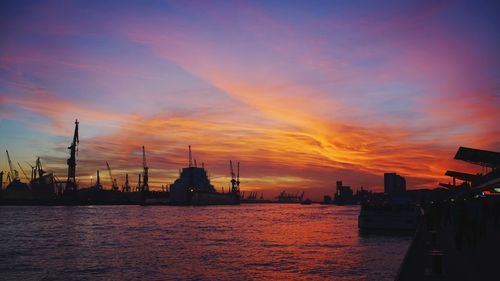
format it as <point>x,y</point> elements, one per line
<point>246,242</point>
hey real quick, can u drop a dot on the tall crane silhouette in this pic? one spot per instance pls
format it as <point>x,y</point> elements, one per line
<point>238,178</point>
<point>114,185</point>
<point>73,148</point>
<point>235,179</point>
<point>126,187</point>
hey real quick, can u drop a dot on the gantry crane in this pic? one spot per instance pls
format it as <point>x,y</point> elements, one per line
<point>114,185</point>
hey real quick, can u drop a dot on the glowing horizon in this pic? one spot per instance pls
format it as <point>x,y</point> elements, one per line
<point>302,94</point>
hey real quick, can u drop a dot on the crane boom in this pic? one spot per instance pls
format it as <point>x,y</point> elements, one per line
<point>22,170</point>
<point>10,165</point>
<point>114,185</point>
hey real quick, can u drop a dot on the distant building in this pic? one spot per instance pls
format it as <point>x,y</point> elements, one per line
<point>394,184</point>
<point>344,194</point>
<point>363,195</point>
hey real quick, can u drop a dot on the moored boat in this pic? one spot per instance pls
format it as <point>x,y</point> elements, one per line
<point>388,217</point>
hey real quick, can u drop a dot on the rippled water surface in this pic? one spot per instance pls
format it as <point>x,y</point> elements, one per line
<point>247,242</point>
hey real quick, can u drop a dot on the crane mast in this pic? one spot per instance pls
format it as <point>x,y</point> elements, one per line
<point>71,181</point>
<point>238,178</point>
<point>145,176</point>
<point>190,158</point>
<point>126,187</point>
<point>233,177</point>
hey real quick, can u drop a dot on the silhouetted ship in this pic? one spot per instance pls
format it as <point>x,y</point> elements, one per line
<point>40,188</point>
<point>392,210</point>
<point>388,216</point>
<point>193,187</point>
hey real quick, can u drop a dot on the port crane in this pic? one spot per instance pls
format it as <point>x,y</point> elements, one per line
<point>98,181</point>
<point>235,179</point>
<point>71,185</point>
<point>13,173</point>
<point>38,168</point>
<point>114,185</point>
<point>145,174</point>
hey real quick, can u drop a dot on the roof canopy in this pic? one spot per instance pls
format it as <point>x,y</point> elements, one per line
<point>461,176</point>
<point>479,157</point>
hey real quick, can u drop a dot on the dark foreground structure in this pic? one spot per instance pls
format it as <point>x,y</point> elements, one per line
<point>458,238</point>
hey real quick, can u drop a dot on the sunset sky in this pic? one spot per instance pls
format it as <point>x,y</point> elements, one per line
<point>302,93</point>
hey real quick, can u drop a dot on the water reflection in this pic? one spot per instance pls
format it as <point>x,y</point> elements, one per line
<point>194,243</point>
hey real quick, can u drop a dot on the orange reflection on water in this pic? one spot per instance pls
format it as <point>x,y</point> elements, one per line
<point>267,241</point>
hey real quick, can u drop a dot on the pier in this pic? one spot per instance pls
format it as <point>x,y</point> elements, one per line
<point>457,238</point>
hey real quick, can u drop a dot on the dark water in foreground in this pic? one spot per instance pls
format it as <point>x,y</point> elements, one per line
<point>247,242</point>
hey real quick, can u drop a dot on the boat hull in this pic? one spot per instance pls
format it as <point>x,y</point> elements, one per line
<point>388,219</point>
